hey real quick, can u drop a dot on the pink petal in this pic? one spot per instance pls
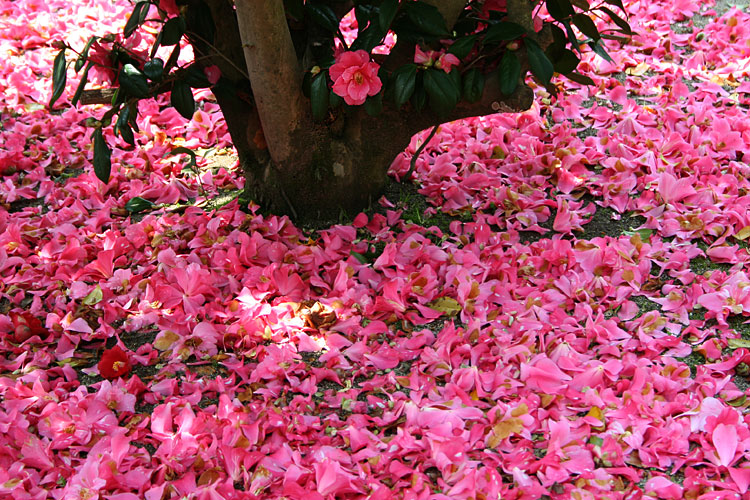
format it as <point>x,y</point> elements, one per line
<point>725,441</point>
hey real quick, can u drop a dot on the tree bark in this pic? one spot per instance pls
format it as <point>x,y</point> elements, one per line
<point>314,171</point>
<point>274,72</point>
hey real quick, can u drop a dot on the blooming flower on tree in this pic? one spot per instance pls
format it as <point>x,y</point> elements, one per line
<point>438,59</point>
<point>355,77</point>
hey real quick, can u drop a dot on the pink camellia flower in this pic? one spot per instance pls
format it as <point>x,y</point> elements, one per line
<point>170,7</point>
<point>438,59</point>
<point>213,73</point>
<point>355,77</point>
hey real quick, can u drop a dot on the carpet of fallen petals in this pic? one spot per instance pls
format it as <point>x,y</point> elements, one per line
<point>573,327</point>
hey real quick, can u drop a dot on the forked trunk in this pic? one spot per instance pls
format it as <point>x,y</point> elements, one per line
<point>292,164</point>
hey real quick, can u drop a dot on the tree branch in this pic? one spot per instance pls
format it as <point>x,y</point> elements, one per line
<point>450,9</point>
<point>274,72</point>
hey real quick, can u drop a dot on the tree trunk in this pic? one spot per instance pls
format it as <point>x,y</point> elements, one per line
<point>293,165</point>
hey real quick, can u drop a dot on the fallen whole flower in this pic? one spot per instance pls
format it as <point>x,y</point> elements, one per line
<point>114,363</point>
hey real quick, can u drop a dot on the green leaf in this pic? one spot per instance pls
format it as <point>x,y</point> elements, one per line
<point>122,126</point>
<point>565,61</point>
<point>94,296</point>
<point>473,85</point>
<point>581,4</point>
<point>620,22</point>
<point>138,204</point>
<point>172,32</point>
<point>133,82</point>
<point>81,84</point>
<point>510,72</point>
<point>295,9</point>
<point>442,90</point>
<point>368,38</point>
<point>599,49</point>
<point>738,343</point>
<point>182,99</point>
<point>154,69</point>
<point>319,96</point>
<point>541,67</point>
<point>616,3</point>
<point>560,9</point>
<point>426,18</point>
<point>503,32</point>
<point>419,99</point>
<point>374,104</point>
<point>587,26</point>
<point>404,80</point>
<point>334,100</point>
<point>387,12</point>
<point>137,17</point>
<point>102,157</point>
<point>571,35</point>
<point>361,258</point>
<point>596,440</point>
<point>324,16</point>
<point>59,77</point>
<point>181,150</point>
<point>84,54</point>
<point>579,78</point>
<point>462,46</point>
<point>196,77</point>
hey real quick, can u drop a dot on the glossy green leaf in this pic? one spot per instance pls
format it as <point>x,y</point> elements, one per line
<point>509,72</point>
<point>84,54</point>
<point>182,150</point>
<point>81,84</point>
<point>462,46</point>
<point>323,15</point>
<point>560,9</point>
<point>571,35</point>
<point>599,49</point>
<point>404,81</point>
<point>295,9</point>
<point>334,100</point>
<point>59,77</point>
<point>620,22</point>
<point>196,77</point>
<point>442,91</point>
<point>172,31</point>
<point>122,126</point>
<point>102,157</point>
<point>138,204</point>
<point>581,4</point>
<point>503,31</point>
<point>361,258</point>
<point>182,99</point>
<point>565,62</point>
<point>319,96</point>
<point>579,78</point>
<point>374,104</point>
<point>387,12</point>
<point>616,3</point>
<point>419,98</point>
<point>426,18</point>
<point>587,26</point>
<point>540,65</point>
<point>137,17</point>
<point>133,82</point>
<point>473,85</point>
<point>154,69</point>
